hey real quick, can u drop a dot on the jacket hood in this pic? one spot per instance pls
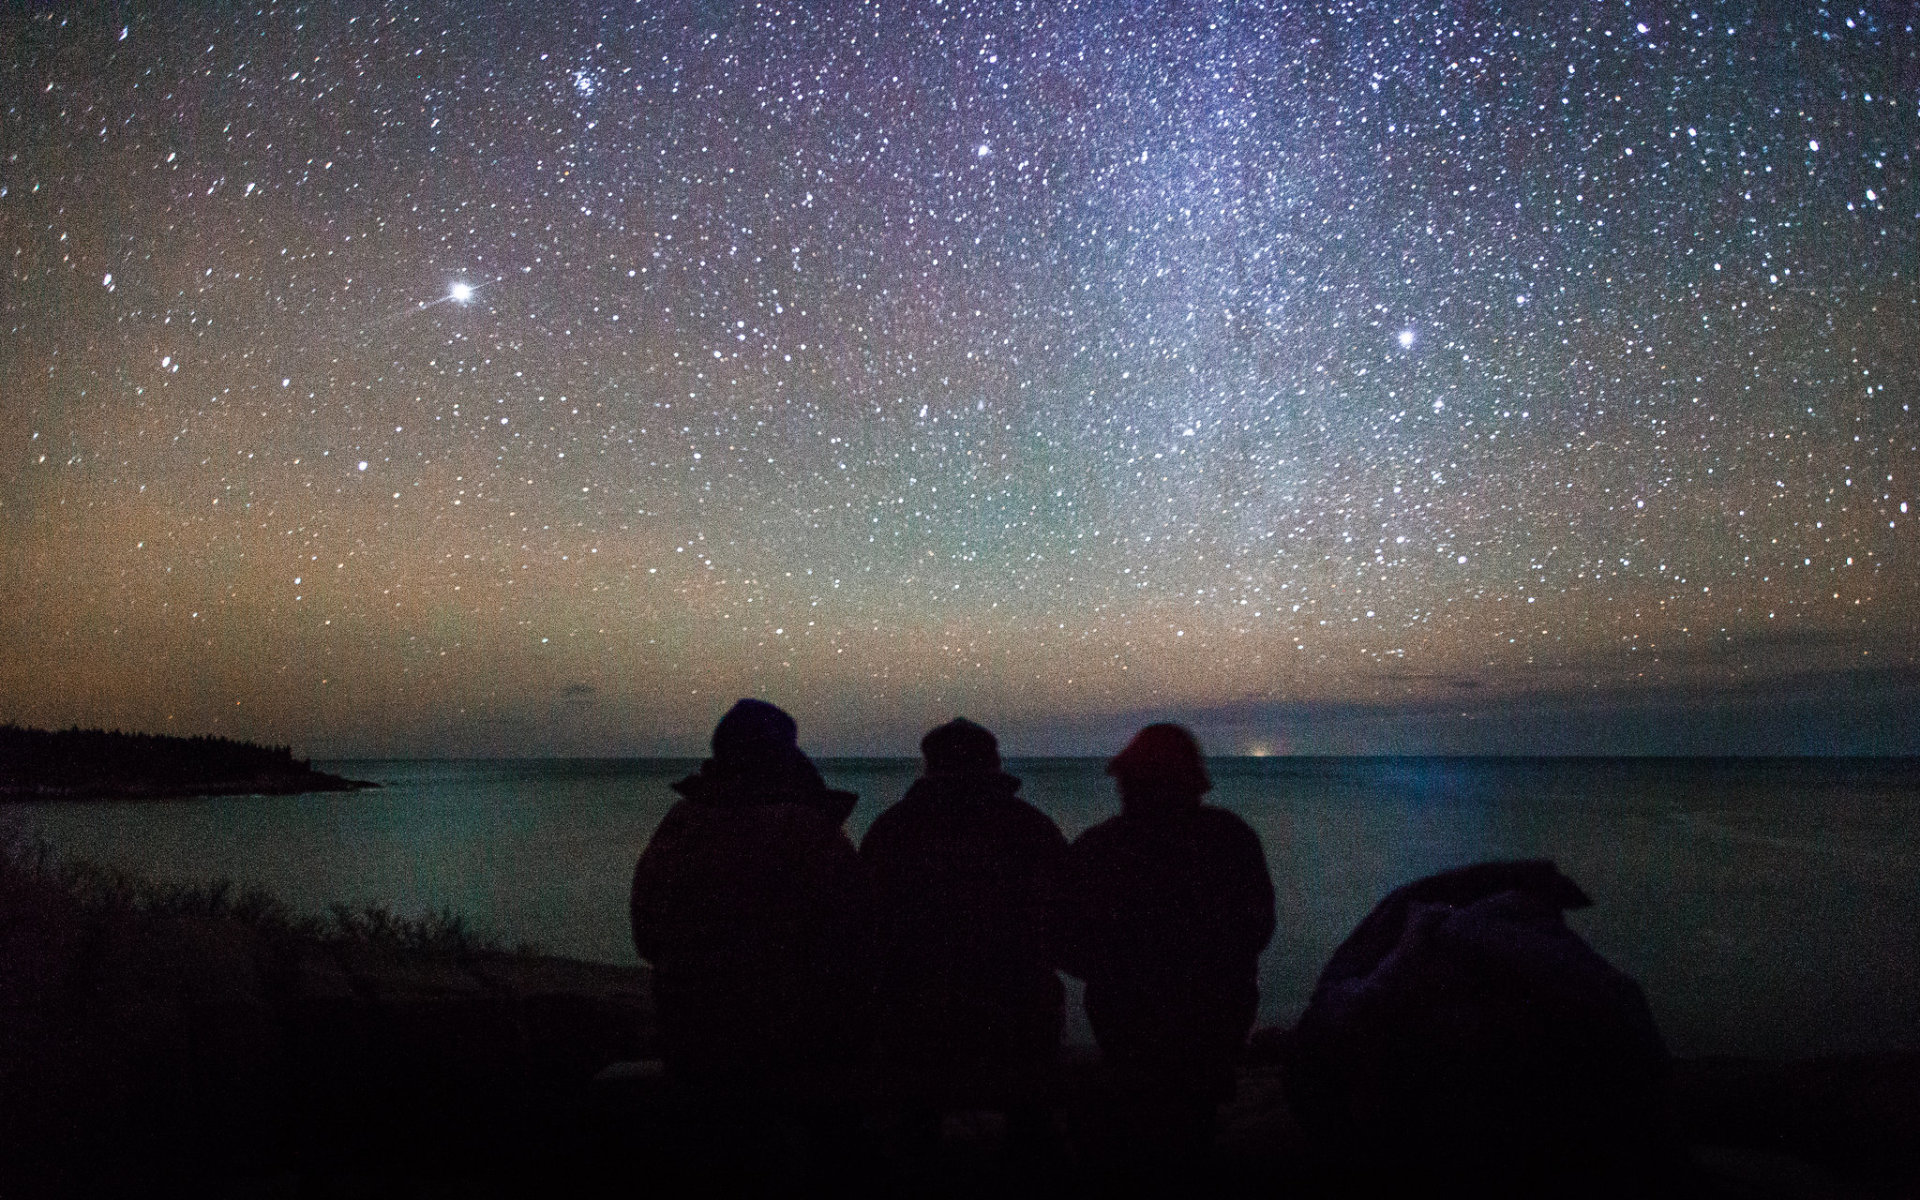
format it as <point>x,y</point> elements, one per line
<point>794,781</point>
<point>962,785</point>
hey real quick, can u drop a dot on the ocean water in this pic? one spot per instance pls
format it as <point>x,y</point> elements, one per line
<point>1768,907</point>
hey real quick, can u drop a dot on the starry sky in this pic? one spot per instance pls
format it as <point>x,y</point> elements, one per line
<point>493,378</point>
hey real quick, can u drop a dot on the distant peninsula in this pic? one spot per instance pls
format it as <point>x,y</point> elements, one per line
<point>97,764</point>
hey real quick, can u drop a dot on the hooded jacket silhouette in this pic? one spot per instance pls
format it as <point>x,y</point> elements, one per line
<point>1464,1031</point>
<point>966,877</point>
<point>752,906</point>
<point>1171,907</point>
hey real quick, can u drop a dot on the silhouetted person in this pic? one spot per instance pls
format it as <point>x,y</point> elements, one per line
<point>966,877</point>
<point>752,906</point>
<point>1171,907</point>
<point>1463,1034</point>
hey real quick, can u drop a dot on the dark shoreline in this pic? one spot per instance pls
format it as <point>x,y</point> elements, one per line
<point>133,789</point>
<point>40,765</point>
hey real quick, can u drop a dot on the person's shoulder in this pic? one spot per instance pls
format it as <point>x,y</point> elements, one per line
<point>894,823</point>
<point>750,817</point>
<point>790,835</point>
<point>1021,817</point>
<point>685,814</point>
<point>903,816</point>
<point>1101,836</point>
<point>1221,818</point>
<point>1227,829</point>
<point>694,828</point>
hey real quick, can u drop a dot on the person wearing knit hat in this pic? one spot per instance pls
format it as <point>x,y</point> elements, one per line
<point>1169,906</point>
<point>960,747</point>
<point>966,879</point>
<point>752,905</point>
<point>1161,765</point>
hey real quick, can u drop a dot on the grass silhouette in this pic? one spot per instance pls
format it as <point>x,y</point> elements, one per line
<point>27,861</point>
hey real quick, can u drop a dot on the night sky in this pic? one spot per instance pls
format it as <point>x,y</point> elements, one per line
<point>525,379</point>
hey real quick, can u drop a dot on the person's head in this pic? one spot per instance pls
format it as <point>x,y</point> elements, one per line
<point>961,748</point>
<point>1160,769</point>
<point>753,737</point>
<point>758,743</point>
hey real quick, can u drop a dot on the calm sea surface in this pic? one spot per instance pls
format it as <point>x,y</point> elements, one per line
<point>1767,906</point>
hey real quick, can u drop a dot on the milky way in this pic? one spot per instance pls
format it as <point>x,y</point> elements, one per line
<point>539,378</point>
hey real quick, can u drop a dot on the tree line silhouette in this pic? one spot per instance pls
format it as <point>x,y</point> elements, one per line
<point>82,763</point>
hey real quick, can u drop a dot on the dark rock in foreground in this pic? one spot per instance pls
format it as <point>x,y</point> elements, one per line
<point>95,764</point>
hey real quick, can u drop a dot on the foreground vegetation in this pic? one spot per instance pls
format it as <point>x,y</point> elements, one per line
<point>106,893</point>
<point>161,1032</point>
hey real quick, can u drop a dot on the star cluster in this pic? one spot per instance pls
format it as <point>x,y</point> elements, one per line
<point>525,377</point>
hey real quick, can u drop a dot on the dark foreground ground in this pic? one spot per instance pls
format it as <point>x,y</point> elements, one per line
<point>154,1043</point>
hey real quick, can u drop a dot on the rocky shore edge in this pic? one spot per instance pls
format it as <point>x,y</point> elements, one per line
<point>210,1041</point>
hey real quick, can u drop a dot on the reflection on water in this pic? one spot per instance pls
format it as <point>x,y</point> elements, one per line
<point>1768,907</point>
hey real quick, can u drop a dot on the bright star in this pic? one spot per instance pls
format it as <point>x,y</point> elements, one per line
<point>460,293</point>
<point>1406,339</point>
